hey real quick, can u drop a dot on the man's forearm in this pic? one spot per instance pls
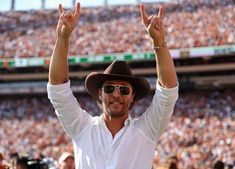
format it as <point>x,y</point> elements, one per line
<point>58,71</point>
<point>165,67</point>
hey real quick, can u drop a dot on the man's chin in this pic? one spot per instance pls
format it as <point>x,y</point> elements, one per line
<point>116,114</point>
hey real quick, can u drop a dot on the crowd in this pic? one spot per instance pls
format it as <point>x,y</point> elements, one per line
<point>118,29</point>
<point>201,131</point>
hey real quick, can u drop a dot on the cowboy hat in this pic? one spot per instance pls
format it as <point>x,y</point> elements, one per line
<point>117,70</point>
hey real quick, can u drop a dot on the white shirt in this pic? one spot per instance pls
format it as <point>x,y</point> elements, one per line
<point>94,147</point>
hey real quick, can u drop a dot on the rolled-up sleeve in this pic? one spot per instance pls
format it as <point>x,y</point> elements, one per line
<point>68,111</point>
<point>156,118</point>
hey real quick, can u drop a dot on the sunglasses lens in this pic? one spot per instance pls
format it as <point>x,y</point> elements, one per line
<point>124,90</point>
<point>109,89</point>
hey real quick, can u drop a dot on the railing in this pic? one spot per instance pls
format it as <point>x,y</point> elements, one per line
<point>176,54</point>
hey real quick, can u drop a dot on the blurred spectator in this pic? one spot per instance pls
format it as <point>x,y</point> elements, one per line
<point>219,165</point>
<point>172,162</point>
<point>66,161</point>
<point>2,165</point>
<point>21,162</point>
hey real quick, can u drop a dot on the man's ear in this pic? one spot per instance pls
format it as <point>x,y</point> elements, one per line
<point>133,96</point>
<point>132,101</point>
<point>100,94</point>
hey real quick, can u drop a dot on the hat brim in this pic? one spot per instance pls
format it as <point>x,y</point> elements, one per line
<point>94,81</point>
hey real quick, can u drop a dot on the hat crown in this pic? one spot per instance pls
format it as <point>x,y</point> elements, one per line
<point>118,68</point>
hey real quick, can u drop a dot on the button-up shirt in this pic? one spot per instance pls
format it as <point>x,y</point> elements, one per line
<point>94,146</point>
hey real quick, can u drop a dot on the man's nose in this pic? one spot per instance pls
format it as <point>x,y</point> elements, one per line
<point>116,92</point>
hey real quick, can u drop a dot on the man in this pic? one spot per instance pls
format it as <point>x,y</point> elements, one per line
<point>66,161</point>
<point>219,165</point>
<point>113,140</point>
<point>21,162</point>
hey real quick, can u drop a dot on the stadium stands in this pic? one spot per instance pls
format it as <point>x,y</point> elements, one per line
<point>117,29</point>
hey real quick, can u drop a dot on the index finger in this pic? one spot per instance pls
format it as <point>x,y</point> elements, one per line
<point>60,9</point>
<point>161,12</point>
<point>77,11</point>
<point>143,12</point>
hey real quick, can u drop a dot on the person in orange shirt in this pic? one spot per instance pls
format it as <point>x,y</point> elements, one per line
<point>2,164</point>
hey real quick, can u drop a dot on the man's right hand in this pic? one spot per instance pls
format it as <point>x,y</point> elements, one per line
<point>67,21</point>
<point>154,25</point>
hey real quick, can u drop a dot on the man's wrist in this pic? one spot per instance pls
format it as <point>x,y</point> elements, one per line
<point>62,39</point>
<point>157,46</point>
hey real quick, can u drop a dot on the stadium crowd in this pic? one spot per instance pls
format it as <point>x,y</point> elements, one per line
<point>118,29</point>
<point>201,131</point>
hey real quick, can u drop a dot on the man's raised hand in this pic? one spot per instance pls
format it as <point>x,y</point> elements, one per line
<point>67,21</point>
<point>154,24</point>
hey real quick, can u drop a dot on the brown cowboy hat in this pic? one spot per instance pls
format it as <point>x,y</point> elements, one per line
<point>117,70</point>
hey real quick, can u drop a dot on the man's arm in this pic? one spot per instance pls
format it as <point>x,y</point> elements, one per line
<point>164,63</point>
<point>68,111</point>
<point>58,70</point>
<point>156,118</point>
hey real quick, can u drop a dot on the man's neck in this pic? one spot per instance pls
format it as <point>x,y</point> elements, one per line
<point>114,124</point>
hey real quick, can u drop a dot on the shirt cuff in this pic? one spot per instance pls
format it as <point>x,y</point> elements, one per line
<point>169,91</point>
<point>55,91</point>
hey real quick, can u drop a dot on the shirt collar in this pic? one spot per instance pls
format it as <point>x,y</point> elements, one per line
<point>126,122</point>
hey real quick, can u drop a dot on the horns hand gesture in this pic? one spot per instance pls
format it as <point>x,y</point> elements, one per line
<point>67,21</point>
<point>154,24</point>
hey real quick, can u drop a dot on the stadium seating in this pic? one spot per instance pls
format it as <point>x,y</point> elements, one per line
<point>117,29</point>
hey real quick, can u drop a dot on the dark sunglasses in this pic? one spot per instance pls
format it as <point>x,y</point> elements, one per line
<point>109,89</point>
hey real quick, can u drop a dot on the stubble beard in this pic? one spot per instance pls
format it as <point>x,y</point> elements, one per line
<point>112,112</point>
<point>116,114</point>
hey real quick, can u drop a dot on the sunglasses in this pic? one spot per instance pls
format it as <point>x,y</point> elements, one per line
<point>109,89</point>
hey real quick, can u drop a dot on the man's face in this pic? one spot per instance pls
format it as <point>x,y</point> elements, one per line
<point>116,97</point>
<point>68,163</point>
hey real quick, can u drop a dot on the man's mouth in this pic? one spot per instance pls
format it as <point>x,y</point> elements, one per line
<point>115,102</point>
